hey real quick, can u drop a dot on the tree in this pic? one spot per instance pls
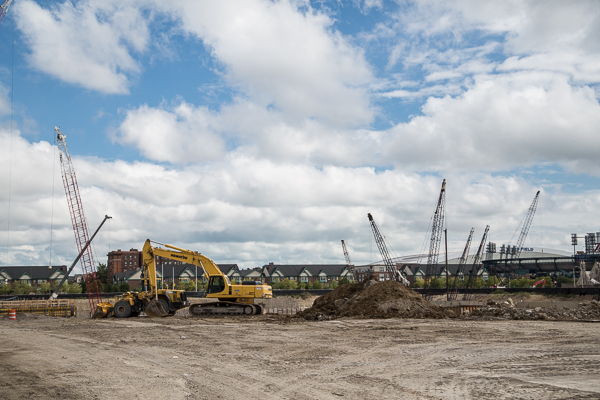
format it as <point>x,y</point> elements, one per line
<point>436,283</point>
<point>45,287</point>
<point>418,284</point>
<point>22,287</point>
<point>5,288</point>
<point>102,273</point>
<point>492,280</point>
<point>74,288</point>
<point>316,285</point>
<point>344,281</point>
<point>124,287</point>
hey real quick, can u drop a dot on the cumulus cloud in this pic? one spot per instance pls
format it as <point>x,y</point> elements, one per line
<point>502,122</point>
<point>182,134</point>
<point>252,211</point>
<point>85,43</point>
<point>283,57</point>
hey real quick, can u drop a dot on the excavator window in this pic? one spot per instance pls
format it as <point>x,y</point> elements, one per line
<point>216,284</point>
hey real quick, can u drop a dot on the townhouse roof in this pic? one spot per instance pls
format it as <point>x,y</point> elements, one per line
<point>314,269</point>
<point>32,271</point>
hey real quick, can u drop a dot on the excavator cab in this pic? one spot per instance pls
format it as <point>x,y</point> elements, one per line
<point>216,284</point>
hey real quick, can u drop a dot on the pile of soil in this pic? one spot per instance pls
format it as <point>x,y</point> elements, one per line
<point>508,310</point>
<point>373,299</point>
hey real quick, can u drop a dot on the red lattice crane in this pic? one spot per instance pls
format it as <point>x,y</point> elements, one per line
<point>4,9</point>
<point>80,227</point>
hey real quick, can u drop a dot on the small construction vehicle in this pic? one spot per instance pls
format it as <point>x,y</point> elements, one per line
<point>540,282</point>
<point>229,298</point>
<point>153,301</point>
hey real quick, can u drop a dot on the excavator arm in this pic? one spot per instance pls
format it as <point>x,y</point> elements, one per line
<point>187,256</point>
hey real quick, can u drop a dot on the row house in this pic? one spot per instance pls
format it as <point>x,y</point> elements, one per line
<point>33,275</point>
<point>416,272</point>
<point>170,273</point>
<point>309,273</point>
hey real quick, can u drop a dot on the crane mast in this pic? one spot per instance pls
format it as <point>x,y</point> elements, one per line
<point>437,228</point>
<point>4,9</point>
<point>461,265</point>
<point>526,225</point>
<point>476,261</point>
<point>387,260</point>
<point>348,262</point>
<point>79,222</point>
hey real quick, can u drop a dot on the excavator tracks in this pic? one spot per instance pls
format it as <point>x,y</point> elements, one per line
<point>226,308</point>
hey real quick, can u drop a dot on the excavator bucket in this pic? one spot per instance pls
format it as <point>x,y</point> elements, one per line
<point>156,309</point>
<point>103,310</point>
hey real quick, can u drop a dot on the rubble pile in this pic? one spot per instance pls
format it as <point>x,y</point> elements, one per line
<point>373,299</point>
<point>508,310</point>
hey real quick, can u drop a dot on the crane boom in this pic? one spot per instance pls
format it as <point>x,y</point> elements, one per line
<point>387,260</point>
<point>436,237</point>
<point>4,9</point>
<point>526,224</point>
<point>80,227</point>
<point>476,261</point>
<point>461,264</point>
<point>348,262</point>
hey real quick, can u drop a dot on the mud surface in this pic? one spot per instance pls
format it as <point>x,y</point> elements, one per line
<point>274,357</point>
<point>372,299</point>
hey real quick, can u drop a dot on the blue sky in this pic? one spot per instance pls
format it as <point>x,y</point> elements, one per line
<point>258,131</point>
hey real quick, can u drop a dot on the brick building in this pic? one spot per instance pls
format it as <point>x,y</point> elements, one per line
<point>121,261</point>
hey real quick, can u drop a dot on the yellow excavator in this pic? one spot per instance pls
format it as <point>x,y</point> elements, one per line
<point>229,298</point>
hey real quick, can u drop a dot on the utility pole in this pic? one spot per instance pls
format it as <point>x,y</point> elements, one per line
<point>447,271</point>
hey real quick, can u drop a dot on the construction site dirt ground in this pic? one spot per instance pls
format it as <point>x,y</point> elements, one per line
<point>278,357</point>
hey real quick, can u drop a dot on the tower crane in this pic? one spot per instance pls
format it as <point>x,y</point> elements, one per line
<point>389,265</point>
<point>461,266</point>
<point>476,261</point>
<point>526,224</point>
<point>4,9</point>
<point>80,227</point>
<point>437,228</point>
<point>348,262</point>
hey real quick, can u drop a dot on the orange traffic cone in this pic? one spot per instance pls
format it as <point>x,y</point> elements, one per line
<point>12,314</point>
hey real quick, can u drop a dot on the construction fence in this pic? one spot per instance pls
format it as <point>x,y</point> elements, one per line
<point>54,308</point>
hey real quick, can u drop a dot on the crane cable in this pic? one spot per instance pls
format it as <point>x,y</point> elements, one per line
<point>12,101</point>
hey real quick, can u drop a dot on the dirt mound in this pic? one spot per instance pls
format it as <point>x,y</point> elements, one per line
<point>507,310</point>
<point>372,299</point>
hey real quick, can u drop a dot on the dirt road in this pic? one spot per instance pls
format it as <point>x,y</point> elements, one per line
<point>281,358</point>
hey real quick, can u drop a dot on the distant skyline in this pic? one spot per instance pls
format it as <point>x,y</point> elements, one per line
<point>264,131</point>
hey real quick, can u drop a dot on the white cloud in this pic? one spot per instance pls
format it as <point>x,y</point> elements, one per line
<point>181,135</point>
<point>502,122</point>
<point>4,101</point>
<point>283,57</point>
<point>85,43</point>
<point>254,211</point>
